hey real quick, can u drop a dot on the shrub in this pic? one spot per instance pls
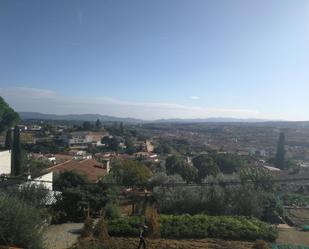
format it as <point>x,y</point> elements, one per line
<point>152,220</point>
<point>306,228</point>
<point>20,224</point>
<point>125,226</point>
<point>101,230</point>
<point>261,244</point>
<point>87,229</point>
<point>112,211</point>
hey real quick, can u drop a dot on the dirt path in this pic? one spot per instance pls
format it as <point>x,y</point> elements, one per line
<point>62,236</point>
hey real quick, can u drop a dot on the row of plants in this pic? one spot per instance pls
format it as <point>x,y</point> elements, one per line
<point>288,246</point>
<point>199,226</point>
<point>296,200</point>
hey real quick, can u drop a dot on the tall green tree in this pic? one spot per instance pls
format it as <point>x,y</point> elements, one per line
<point>16,153</point>
<point>8,140</point>
<point>280,156</point>
<point>130,173</point>
<point>205,166</point>
<point>8,117</point>
<point>177,165</point>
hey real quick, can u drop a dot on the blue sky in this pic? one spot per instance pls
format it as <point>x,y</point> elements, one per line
<point>157,59</point>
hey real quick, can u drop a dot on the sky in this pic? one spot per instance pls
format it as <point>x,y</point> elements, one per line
<point>155,59</point>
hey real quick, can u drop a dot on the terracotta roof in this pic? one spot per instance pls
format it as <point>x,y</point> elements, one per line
<point>90,168</point>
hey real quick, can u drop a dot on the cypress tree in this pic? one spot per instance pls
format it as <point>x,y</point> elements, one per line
<point>280,156</point>
<point>16,153</point>
<point>8,140</point>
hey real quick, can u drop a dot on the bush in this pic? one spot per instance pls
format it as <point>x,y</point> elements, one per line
<point>199,226</point>
<point>87,229</point>
<point>306,228</point>
<point>20,224</point>
<point>101,231</point>
<point>152,220</point>
<point>125,226</point>
<point>112,211</point>
<point>261,244</point>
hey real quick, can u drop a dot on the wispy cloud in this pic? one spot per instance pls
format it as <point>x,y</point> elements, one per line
<point>47,101</point>
<point>195,97</point>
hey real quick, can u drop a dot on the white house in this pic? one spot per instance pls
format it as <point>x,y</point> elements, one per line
<point>5,162</point>
<point>45,180</point>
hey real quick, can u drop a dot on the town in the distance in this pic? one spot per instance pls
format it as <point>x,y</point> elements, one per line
<point>244,184</point>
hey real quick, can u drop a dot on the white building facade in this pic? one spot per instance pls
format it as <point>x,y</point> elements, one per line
<point>5,162</point>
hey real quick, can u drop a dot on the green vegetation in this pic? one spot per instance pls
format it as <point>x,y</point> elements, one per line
<point>288,246</point>
<point>21,223</point>
<point>8,140</point>
<point>112,211</point>
<point>205,165</point>
<point>16,153</point>
<point>280,156</point>
<point>242,200</point>
<point>259,177</point>
<point>79,198</point>
<point>177,165</point>
<point>296,200</point>
<point>228,163</point>
<point>8,117</point>
<point>68,179</point>
<point>130,173</point>
<point>199,226</point>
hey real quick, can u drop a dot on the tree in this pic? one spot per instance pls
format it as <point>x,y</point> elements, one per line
<point>8,117</point>
<point>87,126</point>
<point>8,140</point>
<point>152,220</point>
<point>69,179</point>
<point>98,124</point>
<point>280,156</point>
<point>228,163</point>
<point>130,173</point>
<point>16,153</point>
<point>177,165</point>
<point>205,166</point>
<point>130,146</point>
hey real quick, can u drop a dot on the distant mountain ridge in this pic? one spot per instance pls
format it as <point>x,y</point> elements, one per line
<point>213,120</point>
<point>76,117</point>
<point>106,118</point>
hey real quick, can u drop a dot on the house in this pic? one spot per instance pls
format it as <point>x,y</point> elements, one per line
<point>34,127</point>
<point>90,168</point>
<point>82,139</point>
<point>149,146</point>
<point>44,179</point>
<point>5,162</point>
<point>77,140</point>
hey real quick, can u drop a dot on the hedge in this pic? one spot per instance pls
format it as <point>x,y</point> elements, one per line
<point>199,226</point>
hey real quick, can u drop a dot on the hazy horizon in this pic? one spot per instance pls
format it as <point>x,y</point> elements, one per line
<point>157,59</point>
